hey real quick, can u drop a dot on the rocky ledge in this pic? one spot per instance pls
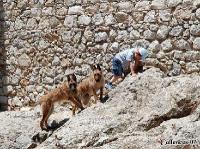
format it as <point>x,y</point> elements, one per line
<point>148,111</point>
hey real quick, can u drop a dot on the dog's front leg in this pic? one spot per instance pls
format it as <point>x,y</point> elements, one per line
<point>77,103</point>
<point>95,96</point>
<point>101,94</point>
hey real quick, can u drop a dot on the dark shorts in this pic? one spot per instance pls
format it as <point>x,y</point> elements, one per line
<point>117,68</point>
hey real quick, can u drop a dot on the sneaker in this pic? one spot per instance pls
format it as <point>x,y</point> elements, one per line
<point>109,86</point>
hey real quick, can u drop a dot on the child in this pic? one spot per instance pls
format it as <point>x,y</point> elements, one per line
<point>131,58</point>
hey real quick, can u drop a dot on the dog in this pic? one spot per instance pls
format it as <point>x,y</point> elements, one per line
<point>67,91</point>
<point>89,87</point>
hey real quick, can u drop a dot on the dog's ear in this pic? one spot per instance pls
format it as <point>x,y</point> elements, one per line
<point>74,77</point>
<point>68,78</point>
<point>93,67</point>
<point>98,67</point>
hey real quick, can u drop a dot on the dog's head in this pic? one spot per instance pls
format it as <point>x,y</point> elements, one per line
<point>97,72</point>
<point>72,82</point>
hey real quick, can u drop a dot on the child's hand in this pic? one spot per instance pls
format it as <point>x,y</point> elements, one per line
<point>134,74</point>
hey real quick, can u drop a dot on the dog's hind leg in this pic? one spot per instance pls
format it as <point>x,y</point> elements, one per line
<point>45,111</point>
<point>50,110</point>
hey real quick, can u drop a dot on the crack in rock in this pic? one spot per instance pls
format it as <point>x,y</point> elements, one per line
<point>185,108</point>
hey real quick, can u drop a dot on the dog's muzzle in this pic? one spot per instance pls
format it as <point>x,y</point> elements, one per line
<point>97,77</point>
<point>98,80</point>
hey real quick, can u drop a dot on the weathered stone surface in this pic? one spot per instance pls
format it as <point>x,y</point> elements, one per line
<point>192,67</point>
<point>176,31</point>
<point>32,23</point>
<point>154,108</point>
<point>56,61</point>
<point>195,30</point>
<point>198,13</point>
<point>24,60</point>
<point>158,4</point>
<point>183,12</point>
<point>166,45</point>
<point>142,5</point>
<point>69,30</point>
<point>196,43</point>
<point>191,56</point>
<point>176,69</point>
<point>75,10</point>
<point>155,47</point>
<point>134,34</point>
<point>162,32</point>
<point>150,17</point>
<point>121,17</point>
<point>165,15</point>
<point>101,36</point>
<point>149,35</point>
<point>98,19</point>
<point>84,20</point>
<point>70,21</point>
<point>125,6</point>
<point>122,35</point>
<point>115,46</point>
<point>62,11</point>
<point>182,44</point>
<point>196,2</point>
<point>110,20</point>
<point>48,80</point>
<point>173,3</point>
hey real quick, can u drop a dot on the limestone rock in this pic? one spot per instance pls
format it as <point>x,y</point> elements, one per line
<point>192,67</point>
<point>101,36</point>
<point>121,17</point>
<point>110,20</point>
<point>166,45</point>
<point>165,15</point>
<point>158,4</point>
<point>150,17</point>
<point>24,60</point>
<point>182,44</point>
<point>198,13</point>
<point>134,34</point>
<point>98,19</point>
<point>149,35</point>
<point>56,61</point>
<point>142,5</point>
<point>154,107</point>
<point>162,32</point>
<point>196,2</point>
<point>70,21</point>
<point>196,43</point>
<point>195,30</point>
<point>155,46</point>
<point>84,20</point>
<point>75,10</point>
<point>176,31</point>
<point>173,3</point>
<point>125,6</point>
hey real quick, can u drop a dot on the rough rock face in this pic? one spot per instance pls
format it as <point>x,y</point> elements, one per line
<point>42,40</point>
<point>143,112</point>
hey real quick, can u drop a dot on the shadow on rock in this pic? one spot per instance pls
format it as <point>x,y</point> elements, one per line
<point>43,135</point>
<point>104,99</point>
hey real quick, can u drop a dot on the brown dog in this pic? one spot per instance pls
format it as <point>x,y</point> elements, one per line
<point>67,91</point>
<point>89,87</point>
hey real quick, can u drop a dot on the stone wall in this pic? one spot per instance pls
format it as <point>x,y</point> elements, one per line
<point>45,40</point>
